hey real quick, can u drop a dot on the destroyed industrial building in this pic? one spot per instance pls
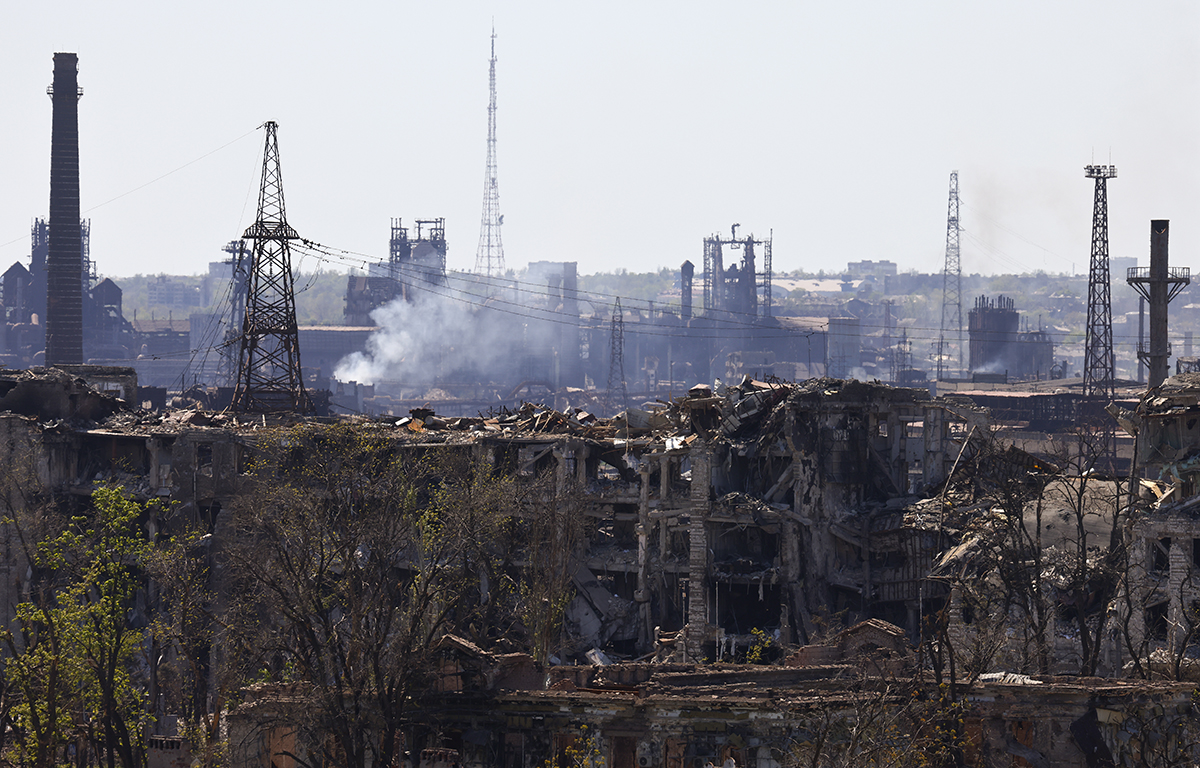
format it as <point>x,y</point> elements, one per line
<point>792,565</point>
<point>808,518</point>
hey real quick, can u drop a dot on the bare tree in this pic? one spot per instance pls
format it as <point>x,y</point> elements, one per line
<point>998,510</point>
<point>547,532</point>
<point>190,625</point>
<point>877,721</point>
<point>1089,567</point>
<point>1048,541</point>
<point>359,556</point>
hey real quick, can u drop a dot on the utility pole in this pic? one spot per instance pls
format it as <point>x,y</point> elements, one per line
<point>1158,285</point>
<point>616,394</point>
<point>269,377</point>
<point>489,259</point>
<point>951,281</point>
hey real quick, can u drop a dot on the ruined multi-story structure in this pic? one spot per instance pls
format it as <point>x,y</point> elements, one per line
<point>752,515</point>
<point>1164,602</point>
<point>758,507</point>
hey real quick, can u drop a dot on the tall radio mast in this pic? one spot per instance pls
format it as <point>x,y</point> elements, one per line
<point>489,259</point>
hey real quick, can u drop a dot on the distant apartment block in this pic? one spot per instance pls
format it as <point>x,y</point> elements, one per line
<point>167,291</point>
<point>868,268</point>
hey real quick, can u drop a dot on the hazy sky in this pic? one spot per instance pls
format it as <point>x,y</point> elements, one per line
<point>627,130</point>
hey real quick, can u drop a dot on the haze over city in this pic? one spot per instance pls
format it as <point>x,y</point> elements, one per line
<point>625,133</point>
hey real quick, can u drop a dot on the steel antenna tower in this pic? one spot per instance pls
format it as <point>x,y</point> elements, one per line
<point>951,281</point>
<point>1099,366</point>
<point>489,259</point>
<point>616,362</point>
<point>269,377</point>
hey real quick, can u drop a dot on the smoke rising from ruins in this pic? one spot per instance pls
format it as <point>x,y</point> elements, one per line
<point>411,339</point>
<point>435,335</point>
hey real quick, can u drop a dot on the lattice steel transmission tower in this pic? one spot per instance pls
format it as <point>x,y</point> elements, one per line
<point>239,263</point>
<point>489,259</point>
<point>1099,365</point>
<point>616,394</point>
<point>269,377</point>
<point>951,282</point>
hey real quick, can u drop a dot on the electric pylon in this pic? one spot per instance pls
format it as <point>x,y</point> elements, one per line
<point>616,394</point>
<point>951,281</point>
<point>239,262</point>
<point>1099,366</point>
<point>489,259</point>
<point>269,377</point>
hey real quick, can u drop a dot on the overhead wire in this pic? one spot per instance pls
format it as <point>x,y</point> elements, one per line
<point>223,307</point>
<point>346,257</point>
<point>1013,232</point>
<point>539,291</point>
<point>427,281</point>
<point>930,334</point>
<point>488,300</point>
<point>152,181</point>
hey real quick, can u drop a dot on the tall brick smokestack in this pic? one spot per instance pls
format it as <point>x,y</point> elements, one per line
<point>64,263</point>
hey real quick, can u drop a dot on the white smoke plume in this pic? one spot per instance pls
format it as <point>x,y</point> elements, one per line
<point>444,335</point>
<point>411,342</point>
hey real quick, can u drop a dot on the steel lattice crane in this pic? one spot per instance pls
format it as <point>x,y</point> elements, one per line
<point>269,377</point>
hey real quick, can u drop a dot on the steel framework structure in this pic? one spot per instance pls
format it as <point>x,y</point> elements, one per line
<point>951,281</point>
<point>717,287</point>
<point>616,362</point>
<point>269,377</point>
<point>714,273</point>
<point>1099,365</point>
<point>764,276</point>
<point>489,259</point>
<point>227,367</point>
<point>418,263</point>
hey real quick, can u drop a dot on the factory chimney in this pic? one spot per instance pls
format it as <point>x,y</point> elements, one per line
<point>64,262</point>
<point>687,271</point>
<point>1158,285</point>
<point>1159,346</point>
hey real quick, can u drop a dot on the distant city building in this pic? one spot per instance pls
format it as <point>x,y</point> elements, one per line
<point>1120,265</point>
<point>167,291</point>
<point>859,269</point>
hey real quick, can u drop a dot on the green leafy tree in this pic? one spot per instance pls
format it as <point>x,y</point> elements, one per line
<point>74,650</point>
